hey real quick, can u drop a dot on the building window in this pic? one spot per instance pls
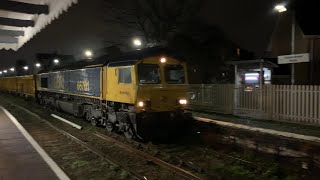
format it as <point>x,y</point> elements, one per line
<point>125,75</point>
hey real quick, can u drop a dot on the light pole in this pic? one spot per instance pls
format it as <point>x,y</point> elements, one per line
<point>282,8</point>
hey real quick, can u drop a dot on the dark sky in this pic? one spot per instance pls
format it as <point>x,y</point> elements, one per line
<point>248,23</point>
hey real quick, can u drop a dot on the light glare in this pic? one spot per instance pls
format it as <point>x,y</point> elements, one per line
<point>5,71</point>
<point>12,69</point>
<point>183,101</point>
<point>56,61</point>
<point>38,65</point>
<point>163,60</point>
<point>140,104</point>
<point>137,42</point>
<point>280,8</point>
<point>26,68</point>
<point>88,53</point>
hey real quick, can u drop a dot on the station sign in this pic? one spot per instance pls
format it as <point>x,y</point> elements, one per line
<point>293,58</point>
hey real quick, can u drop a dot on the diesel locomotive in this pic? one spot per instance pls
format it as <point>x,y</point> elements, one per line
<point>139,94</point>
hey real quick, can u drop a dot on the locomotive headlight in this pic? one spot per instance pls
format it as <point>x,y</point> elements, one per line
<point>140,103</point>
<point>183,101</point>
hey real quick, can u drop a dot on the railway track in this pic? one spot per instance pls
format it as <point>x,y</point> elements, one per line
<point>62,147</point>
<point>105,152</point>
<point>176,169</point>
<point>187,157</point>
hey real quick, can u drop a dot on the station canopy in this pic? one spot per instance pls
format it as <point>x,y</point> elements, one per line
<point>20,20</point>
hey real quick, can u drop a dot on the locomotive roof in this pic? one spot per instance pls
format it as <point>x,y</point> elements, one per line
<point>128,58</point>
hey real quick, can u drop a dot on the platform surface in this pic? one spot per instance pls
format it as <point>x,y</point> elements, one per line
<point>296,131</point>
<point>18,158</point>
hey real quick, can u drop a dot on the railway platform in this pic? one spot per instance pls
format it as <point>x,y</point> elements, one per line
<point>283,129</point>
<point>20,155</point>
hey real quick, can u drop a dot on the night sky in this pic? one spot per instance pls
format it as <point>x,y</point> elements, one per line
<point>248,23</point>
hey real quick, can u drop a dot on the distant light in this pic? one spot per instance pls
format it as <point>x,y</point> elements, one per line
<point>25,67</point>
<point>38,65</point>
<point>163,60</point>
<point>137,42</point>
<point>5,71</point>
<point>280,8</point>
<point>251,76</point>
<point>56,61</point>
<point>88,53</point>
<point>0,72</point>
<point>12,69</point>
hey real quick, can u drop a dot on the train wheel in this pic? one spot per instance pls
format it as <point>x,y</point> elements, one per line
<point>109,126</point>
<point>88,117</point>
<point>128,131</point>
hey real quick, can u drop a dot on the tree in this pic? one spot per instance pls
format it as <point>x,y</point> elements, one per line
<point>155,20</point>
<point>206,48</point>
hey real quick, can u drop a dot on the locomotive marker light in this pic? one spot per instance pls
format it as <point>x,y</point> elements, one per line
<point>25,67</point>
<point>140,103</point>
<point>163,60</point>
<point>183,101</point>
<point>11,69</point>
<point>56,61</point>
<point>38,65</point>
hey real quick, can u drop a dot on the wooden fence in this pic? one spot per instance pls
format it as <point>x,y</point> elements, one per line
<point>293,103</point>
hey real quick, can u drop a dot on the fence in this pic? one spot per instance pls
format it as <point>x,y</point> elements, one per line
<point>294,103</point>
<point>215,98</point>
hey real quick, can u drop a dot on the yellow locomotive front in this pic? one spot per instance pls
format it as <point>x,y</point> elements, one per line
<point>151,91</point>
<point>161,85</point>
<point>161,95</point>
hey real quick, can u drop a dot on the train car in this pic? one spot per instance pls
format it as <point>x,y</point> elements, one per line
<point>26,86</point>
<point>134,94</point>
<point>20,85</point>
<point>8,84</point>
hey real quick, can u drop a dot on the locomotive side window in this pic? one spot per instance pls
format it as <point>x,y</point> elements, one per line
<point>149,74</point>
<point>174,74</point>
<point>125,75</point>
<point>44,82</point>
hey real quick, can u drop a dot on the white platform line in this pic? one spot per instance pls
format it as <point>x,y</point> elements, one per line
<point>66,121</point>
<point>262,130</point>
<point>55,168</point>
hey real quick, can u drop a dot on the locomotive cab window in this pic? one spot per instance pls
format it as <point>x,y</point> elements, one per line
<point>125,75</point>
<point>149,73</point>
<point>174,74</point>
<point>44,82</point>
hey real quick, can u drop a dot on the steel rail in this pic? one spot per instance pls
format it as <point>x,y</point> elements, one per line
<point>97,152</point>
<point>176,169</point>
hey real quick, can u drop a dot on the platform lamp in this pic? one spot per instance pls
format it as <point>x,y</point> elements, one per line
<point>281,8</point>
